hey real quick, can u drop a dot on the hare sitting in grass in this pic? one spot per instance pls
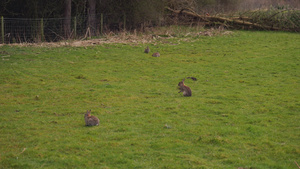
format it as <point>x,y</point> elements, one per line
<point>90,120</point>
<point>156,54</point>
<point>147,50</point>
<point>184,89</point>
<point>193,78</point>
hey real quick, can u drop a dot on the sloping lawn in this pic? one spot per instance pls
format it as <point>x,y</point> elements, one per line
<point>244,111</point>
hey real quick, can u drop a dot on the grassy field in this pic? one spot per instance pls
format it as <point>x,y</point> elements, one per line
<point>244,112</point>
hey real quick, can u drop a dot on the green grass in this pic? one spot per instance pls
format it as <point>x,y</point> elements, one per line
<point>244,111</point>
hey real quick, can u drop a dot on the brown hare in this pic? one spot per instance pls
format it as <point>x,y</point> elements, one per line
<point>156,54</point>
<point>184,89</point>
<point>147,50</point>
<point>193,78</point>
<point>90,120</point>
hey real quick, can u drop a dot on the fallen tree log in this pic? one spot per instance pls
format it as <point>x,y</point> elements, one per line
<point>212,19</point>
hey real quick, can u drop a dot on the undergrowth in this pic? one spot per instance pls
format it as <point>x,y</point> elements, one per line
<point>286,19</point>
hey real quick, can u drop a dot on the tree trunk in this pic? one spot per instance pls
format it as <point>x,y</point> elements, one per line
<point>213,19</point>
<point>67,18</point>
<point>92,16</point>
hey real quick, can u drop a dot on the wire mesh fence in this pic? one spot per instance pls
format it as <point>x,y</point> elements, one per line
<point>23,30</point>
<point>26,30</point>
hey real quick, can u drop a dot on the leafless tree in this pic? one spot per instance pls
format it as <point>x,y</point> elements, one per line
<point>67,18</point>
<point>92,16</point>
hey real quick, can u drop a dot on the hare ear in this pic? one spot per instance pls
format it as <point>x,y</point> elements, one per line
<point>183,80</point>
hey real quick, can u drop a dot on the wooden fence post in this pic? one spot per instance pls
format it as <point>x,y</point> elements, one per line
<point>101,25</point>
<point>75,27</point>
<point>124,22</point>
<point>2,29</point>
<point>42,30</point>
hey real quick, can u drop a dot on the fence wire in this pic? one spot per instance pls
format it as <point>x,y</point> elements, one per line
<point>25,30</point>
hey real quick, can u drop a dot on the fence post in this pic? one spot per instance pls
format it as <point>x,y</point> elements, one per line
<point>124,22</point>
<point>75,27</point>
<point>42,29</point>
<point>2,29</point>
<point>101,25</point>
